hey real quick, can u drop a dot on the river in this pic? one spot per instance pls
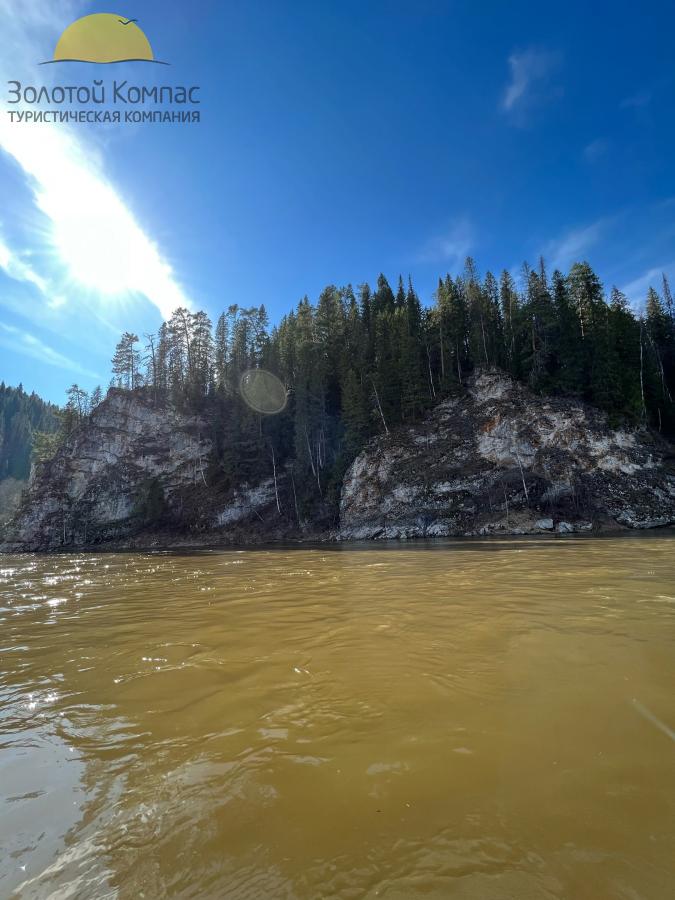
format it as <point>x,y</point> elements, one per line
<point>476,719</point>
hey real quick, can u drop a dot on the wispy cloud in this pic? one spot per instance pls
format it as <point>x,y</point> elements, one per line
<point>636,290</point>
<point>18,269</point>
<point>596,150</point>
<point>573,246</point>
<point>27,344</point>
<point>451,247</point>
<point>530,82</point>
<point>93,233</point>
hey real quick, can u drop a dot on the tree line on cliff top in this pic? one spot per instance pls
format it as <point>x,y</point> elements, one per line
<point>359,363</point>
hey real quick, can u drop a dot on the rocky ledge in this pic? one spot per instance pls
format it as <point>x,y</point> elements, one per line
<point>498,459</point>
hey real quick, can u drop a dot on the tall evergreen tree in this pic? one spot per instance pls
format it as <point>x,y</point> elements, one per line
<point>126,361</point>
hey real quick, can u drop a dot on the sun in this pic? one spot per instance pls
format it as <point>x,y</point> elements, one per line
<point>103,38</point>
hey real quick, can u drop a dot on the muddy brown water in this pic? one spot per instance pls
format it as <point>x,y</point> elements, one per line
<point>445,720</point>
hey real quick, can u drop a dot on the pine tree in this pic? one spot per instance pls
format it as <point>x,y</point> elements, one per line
<point>126,361</point>
<point>668,298</point>
<point>202,357</point>
<point>414,381</point>
<point>539,319</point>
<point>453,331</point>
<point>569,363</point>
<point>585,294</point>
<point>356,414</point>
<point>78,403</point>
<point>494,321</point>
<point>96,397</point>
<point>625,339</point>
<point>220,352</point>
<point>659,330</point>
<point>509,303</point>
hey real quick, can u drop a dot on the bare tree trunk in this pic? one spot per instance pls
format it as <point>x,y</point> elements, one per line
<point>201,469</point>
<point>153,357</point>
<point>311,454</point>
<point>522,475</point>
<point>257,513</point>
<point>295,499</point>
<point>316,471</point>
<point>642,385</point>
<point>440,340</point>
<point>276,486</point>
<point>431,377</point>
<point>379,406</point>
<point>664,387</point>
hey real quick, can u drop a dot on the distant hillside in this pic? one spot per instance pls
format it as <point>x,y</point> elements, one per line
<point>21,416</point>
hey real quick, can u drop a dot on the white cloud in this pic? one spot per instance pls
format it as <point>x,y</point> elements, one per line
<point>18,269</point>
<point>452,247</point>
<point>636,290</point>
<point>573,246</point>
<point>94,234</point>
<point>23,342</point>
<point>530,74</point>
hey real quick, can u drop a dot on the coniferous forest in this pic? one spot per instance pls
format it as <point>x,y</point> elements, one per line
<point>22,417</point>
<point>361,362</point>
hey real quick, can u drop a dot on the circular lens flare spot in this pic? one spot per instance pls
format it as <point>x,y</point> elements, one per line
<point>263,392</point>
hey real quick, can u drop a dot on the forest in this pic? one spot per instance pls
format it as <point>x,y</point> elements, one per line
<point>362,362</point>
<point>22,417</point>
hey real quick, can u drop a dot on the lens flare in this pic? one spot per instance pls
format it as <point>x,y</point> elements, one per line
<point>263,392</point>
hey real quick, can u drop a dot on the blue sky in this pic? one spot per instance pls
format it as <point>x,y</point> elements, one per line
<point>338,140</point>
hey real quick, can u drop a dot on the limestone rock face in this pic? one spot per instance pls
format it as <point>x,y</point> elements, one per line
<point>91,489</point>
<point>501,460</point>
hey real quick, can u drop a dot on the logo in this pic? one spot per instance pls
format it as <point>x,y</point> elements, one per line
<point>104,38</point>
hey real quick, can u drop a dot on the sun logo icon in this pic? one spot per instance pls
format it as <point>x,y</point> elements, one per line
<point>104,38</point>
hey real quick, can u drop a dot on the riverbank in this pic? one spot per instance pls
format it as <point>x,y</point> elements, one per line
<point>494,459</point>
<point>165,543</point>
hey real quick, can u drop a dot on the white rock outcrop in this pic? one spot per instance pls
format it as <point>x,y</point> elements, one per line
<point>89,490</point>
<point>498,459</point>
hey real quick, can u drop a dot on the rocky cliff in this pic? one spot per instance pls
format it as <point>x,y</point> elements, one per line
<point>495,459</point>
<point>499,460</point>
<point>136,475</point>
<point>92,489</point>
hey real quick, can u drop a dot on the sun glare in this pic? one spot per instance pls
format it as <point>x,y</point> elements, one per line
<point>93,233</point>
<point>95,237</point>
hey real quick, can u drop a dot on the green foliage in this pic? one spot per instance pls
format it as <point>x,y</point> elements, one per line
<point>45,444</point>
<point>360,364</point>
<point>126,361</point>
<point>23,417</point>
